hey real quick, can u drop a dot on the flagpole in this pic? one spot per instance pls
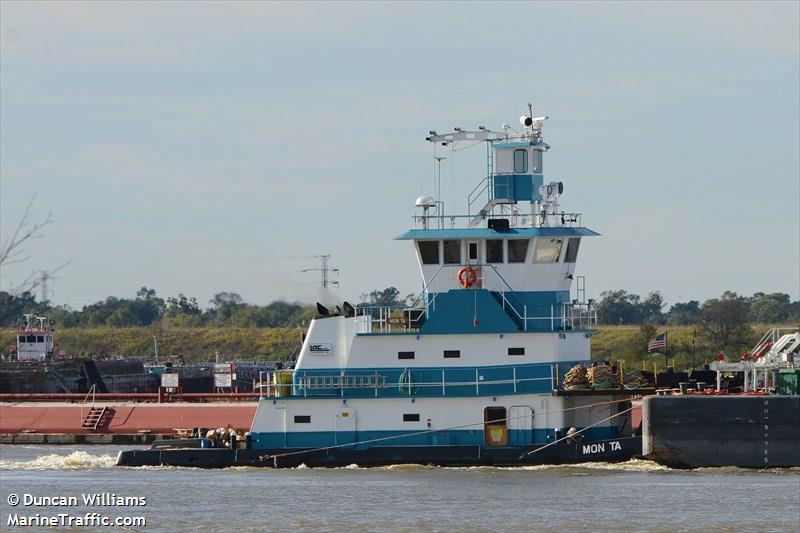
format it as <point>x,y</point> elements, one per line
<point>666,353</point>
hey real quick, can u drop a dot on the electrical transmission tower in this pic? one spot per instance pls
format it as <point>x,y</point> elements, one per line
<point>325,270</point>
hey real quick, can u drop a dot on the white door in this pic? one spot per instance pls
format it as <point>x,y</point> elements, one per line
<point>520,425</point>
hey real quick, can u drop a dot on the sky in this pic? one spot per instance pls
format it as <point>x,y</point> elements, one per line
<point>204,147</point>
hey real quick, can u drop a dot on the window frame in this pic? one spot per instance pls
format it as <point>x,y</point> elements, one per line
<point>422,255</point>
<point>546,239</point>
<point>302,419</point>
<point>502,250</point>
<point>524,152</point>
<point>508,251</point>
<point>451,354</point>
<point>411,417</point>
<point>573,252</point>
<point>445,260</point>
<point>406,355</point>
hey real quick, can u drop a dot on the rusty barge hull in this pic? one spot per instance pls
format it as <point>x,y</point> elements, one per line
<point>115,422</point>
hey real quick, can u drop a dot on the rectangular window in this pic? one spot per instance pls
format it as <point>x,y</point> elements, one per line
<point>40,338</point>
<point>411,417</point>
<point>31,338</point>
<point>452,252</point>
<point>572,251</point>
<point>520,161</point>
<point>517,249</point>
<point>452,353</point>
<point>22,338</point>
<point>405,355</point>
<point>429,252</point>
<point>494,251</point>
<point>473,251</point>
<point>302,419</point>
<point>547,250</point>
<point>516,351</point>
<point>537,162</point>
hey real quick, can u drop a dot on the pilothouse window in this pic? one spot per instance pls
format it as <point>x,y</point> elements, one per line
<point>520,161</point>
<point>517,249</point>
<point>547,250</point>
<point>452,252</point>
<point>494,251</point>
<point>429,252</point>
<point>572,251</point>
<point>537,161</point>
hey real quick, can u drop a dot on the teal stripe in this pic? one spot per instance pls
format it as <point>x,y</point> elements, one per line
<point>461,437</point>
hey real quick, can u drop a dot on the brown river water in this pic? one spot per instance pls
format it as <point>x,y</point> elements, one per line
<point>632,496</point>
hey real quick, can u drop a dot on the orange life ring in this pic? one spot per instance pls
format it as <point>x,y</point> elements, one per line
<point>467,276</point>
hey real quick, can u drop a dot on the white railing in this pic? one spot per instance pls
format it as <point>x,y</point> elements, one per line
<point>91,392</point>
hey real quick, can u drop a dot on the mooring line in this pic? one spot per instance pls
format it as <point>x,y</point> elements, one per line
<point>576,433</point>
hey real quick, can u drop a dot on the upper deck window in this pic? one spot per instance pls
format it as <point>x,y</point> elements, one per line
<point>547,250</point>
<point>537,162</point>
<point>494,251</point>
<point>31,338</point>
<point>572,250</point>
<point>22,338</point>
<point>517,249</point>
<point>452,252</point>
<point>520,161</point>
<point>473,251</point>
<point>429,252</point>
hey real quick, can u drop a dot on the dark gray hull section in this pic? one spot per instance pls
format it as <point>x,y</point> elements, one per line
<point>611,450</point>
<point>693,431</point>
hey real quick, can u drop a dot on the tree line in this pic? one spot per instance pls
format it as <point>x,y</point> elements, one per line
<point>147,309</point>
<point>723,321</point>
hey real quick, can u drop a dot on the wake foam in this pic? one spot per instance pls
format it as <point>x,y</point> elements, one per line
<point>73,461</point>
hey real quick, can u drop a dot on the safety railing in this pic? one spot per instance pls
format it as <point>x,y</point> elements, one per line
<point>515,220</point>
<point>404,383</point>
<point>408,319</point>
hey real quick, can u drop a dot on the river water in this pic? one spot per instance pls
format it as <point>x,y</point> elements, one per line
<point>632,496</point>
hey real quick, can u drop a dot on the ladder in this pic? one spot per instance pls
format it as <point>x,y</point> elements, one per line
<point>94,418</point>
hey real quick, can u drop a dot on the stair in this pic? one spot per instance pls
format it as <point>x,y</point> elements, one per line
<point>97,418</point>
<point>510,312</point>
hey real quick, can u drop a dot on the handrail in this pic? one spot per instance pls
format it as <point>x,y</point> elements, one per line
<point>771,336</point>
<point>483,185</point>
<point>564,316</point>
<point>92,391</point>
<point>561,219</point>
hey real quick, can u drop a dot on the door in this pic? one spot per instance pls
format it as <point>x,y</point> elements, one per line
<point>520,424</point>
<point>474,258</point>
<point>495,426</point>
<point>345,426</point>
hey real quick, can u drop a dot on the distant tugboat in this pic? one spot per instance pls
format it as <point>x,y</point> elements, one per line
<point>470,373</point>
<point>35,339</point>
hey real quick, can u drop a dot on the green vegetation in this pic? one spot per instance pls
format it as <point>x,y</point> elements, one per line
<point>126,327</point>
<point>180,343</point>
<point>686,347</point>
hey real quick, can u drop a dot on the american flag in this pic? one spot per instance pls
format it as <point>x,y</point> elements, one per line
<point>659,341</point>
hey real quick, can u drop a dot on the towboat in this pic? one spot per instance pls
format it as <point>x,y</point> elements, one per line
<point>471,372</point>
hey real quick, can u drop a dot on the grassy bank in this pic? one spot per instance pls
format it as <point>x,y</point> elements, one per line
<point>627,343</point>
<point>189,344</point>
